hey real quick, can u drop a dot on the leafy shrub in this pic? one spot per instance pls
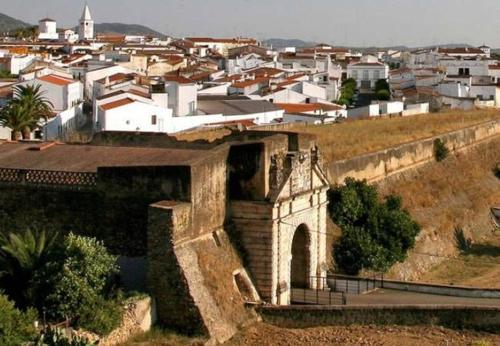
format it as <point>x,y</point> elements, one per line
<point>440,150</point>
<point>16,327</point>
<point>56,337</point>
<point>375,234</point>
<point>383,95</point>
<point>77,279</point>
<point>101,316</point>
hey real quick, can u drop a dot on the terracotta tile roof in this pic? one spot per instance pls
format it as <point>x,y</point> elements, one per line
<point>246,83</point>
<point>116,104</point>
<point>117,77</point>
<point>231,79</point>
<point>57,80</point>
<point>494,67</point>
<point>307,107</point>
<point>178,79</point>
<point>265,72</point>
<point>461,50</point>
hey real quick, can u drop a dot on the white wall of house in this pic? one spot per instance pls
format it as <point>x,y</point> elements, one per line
<point>20,62</point>
<point>473,67</point>
<point>221,89</point>
<point>367,111</point>
<point>92,76</point>
<point>136,116</point>
<point>182,98</point>
<point>419,108</point>
<point>390,108</point>
<point>367,74</point>
<point>62,96</point>
<point>63,124</point>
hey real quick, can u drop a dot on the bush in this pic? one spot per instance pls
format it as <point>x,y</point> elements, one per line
<point>381,84</point>
<point>383,95</point>
<point>101,316</point>
<point>79,278</point>
<point>56,337</point>
<point>16,327</point>
<point>440,150</point>
<point>375,234</point>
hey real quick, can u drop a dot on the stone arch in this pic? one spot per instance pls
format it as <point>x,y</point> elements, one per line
<point>301,257</point>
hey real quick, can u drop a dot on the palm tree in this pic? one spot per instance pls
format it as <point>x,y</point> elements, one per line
<point>21,256</point>
<point>23,113</point>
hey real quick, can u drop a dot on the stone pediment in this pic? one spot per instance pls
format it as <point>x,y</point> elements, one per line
<point>295,174</point>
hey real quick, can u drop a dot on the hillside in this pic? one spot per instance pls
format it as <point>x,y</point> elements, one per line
<point>126,29</point>
<point>8,23</point>
<point>277,43</point>
<point>457,192</point>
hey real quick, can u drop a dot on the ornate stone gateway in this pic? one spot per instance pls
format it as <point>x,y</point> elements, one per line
<point>283,231</point>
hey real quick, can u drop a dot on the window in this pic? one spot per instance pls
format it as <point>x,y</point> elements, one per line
<point>354,74</point>
<point>271,100</point>
<point>376,74</point>
<point>308,100</point>
<point>467,72</point>
<point>153,120</point>
<point>366,75</point>
<point>460,71</point>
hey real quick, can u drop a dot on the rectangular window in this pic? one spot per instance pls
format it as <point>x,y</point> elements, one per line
<point>366,75</point>
<point>153,120</point>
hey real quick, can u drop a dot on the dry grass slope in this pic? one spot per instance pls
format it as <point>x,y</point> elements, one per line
<point>353,138</point>
<point>441,196</point>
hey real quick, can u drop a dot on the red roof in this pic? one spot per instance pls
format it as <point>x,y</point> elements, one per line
<point>116,104</point>
<point>58,80</point>
<point>306,107</point>
<point>178,79</point>
<point>249,82</point>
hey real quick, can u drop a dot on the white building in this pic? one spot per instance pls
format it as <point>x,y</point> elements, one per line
<point>133,115</point>
<point>47,29</point>
<point>66,96</point>
<point>62,92</point>
<point>367,72</point>
<point>182,95</point>
<point>86,29</point>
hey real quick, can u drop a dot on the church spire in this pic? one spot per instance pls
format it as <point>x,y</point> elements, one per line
<point>86,13</point>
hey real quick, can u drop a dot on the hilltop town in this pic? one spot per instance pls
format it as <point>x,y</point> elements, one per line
<point>235,192</point>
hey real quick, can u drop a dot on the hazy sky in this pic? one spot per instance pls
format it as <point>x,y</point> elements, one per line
<point>341,22</point>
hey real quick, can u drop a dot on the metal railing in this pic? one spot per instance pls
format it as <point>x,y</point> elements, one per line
<point>354,284</point>
<point>318,293</point>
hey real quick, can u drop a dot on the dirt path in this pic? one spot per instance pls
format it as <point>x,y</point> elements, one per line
<point>264,334</point>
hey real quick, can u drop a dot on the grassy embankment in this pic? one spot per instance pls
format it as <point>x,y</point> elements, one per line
<point>351,138</point>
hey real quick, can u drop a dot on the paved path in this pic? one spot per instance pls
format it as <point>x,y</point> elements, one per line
<point>383,296</point>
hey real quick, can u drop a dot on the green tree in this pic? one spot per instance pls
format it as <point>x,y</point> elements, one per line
<point>23,114</point>
<point>21,257</point>
<point>79,278</point>
<point>16,327</point>
<point>383,95</point>
<point>375,234</point>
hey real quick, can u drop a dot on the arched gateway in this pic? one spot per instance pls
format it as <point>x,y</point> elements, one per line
<point>300,275</point>
<point>281,217</point>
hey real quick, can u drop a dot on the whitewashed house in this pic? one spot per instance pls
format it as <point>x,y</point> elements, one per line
<point>133,115</point>
<point>47,29</point>
<point>367,72</point>
<point>66,96</point>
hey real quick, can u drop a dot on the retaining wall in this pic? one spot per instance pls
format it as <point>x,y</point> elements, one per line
<point>381,164</point>
<point>354,284</point>
<point>470,317</point>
